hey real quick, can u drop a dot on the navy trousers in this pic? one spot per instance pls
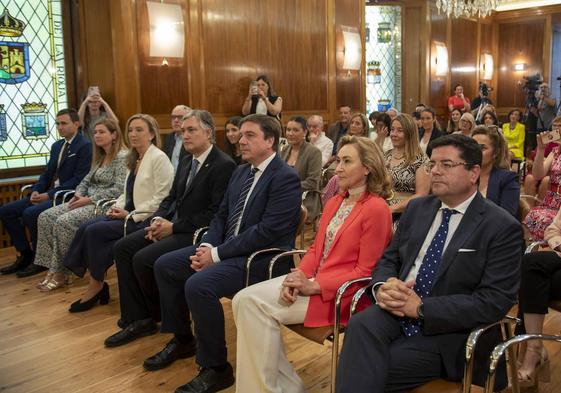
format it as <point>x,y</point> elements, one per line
<point>92,246</point>
<point>183,290</point>
<point>21,214</point>
<point>377,357</point>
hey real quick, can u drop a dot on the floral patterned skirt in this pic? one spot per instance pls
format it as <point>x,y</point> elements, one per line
<point>541,216</point>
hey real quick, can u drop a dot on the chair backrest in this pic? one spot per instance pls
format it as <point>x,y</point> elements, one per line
<point>302,220</point>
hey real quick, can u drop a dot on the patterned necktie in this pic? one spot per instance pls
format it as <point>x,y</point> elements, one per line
<point>238,209</point>
<point>192,173</point>
<point>428,269</point>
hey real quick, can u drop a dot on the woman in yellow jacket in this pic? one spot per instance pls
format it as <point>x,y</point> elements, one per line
<point>514,133</point>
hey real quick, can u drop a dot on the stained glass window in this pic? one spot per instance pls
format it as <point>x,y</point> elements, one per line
<point>32,80</point>
<point>383,58</point>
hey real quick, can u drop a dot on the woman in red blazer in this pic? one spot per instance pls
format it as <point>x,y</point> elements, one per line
<point>355,228</point>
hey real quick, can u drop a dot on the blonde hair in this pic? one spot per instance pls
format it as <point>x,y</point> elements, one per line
<point>378,180</point>
<point>153,128</point>
<point>363,120</point>
<point>500,150</point>
<point>118,144</point>
<point>412,144</point>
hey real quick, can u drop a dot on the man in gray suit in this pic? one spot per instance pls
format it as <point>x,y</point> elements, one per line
<point>452,266</point>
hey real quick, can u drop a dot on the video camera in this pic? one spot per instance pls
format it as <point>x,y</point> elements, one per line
<point>530,85</point>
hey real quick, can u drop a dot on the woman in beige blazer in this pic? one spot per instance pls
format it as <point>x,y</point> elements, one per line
<point>305,158</point>
<point>148,181</point>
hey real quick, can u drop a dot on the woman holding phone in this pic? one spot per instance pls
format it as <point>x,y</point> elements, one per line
<point>542,215</point>
<point>262,99</point>
<point>93,109</point>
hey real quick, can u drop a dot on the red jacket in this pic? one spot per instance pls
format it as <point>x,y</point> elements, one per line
<point>358,245</point>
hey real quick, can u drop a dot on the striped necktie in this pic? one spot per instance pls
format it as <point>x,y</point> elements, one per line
<point>238,209</point>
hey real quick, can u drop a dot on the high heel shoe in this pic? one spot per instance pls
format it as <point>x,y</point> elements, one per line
<point>540,373</point>
<point>55,281</point>
<point>102,296</point>
<point>47,278</point>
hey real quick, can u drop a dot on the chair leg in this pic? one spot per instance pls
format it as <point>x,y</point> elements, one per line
<point>334,358</point>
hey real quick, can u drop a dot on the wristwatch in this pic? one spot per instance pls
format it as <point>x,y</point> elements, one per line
<point>420,311</point>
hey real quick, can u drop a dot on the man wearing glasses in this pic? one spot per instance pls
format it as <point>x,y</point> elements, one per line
<point>173,145</point>
<point>452,266</point>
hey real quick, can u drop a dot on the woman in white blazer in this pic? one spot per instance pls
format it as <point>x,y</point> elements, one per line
<point>149,179</point>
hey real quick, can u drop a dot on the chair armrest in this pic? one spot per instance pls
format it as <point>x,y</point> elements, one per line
<point>500,349</point>
<point>199,233</point>
<point>24,188</point>
<point>102,204</point>
<point>532,247</point>
<point>59,192</point>
<point>274,260</point>
<point>531,197</point>
<point>67,194</point>
<point>507,332</point>
<point>130,215</point>
<point>356,298</point>
<point>252,257</point>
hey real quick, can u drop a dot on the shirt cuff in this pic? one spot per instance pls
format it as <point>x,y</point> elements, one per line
<point>214,254</point>
<point>374,288</point>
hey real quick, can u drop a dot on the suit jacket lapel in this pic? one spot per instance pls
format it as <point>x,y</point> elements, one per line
<point>468,225</point>
<point>263,180</point>
<point>419,229</point>
<point>203,170</point>
<point>348,221</point>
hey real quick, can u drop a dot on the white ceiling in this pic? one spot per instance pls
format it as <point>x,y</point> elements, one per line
<point>507,5</point>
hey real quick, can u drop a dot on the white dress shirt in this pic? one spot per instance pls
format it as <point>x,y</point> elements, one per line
<point>455,220</point>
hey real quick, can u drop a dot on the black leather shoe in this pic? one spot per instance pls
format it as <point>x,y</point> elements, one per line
<point>209,381</point>
<point>136,329</point>
<point>172,351</point>
<point>122,323</point>
<point>30,270</point>
<point>20,264</point>
<point>102,296</point>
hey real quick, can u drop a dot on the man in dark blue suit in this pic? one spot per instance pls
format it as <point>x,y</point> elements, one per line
<point>453,265</point>
<point>260,209</point>
<point>69,162</point>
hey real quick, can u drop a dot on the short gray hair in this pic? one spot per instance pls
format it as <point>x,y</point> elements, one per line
<point>205,120</point>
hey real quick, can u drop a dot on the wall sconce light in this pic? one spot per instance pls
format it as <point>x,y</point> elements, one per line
<point>352,48</point>
<point>519,66</point>
<point>487,66</point>
<point>441,59</point>
<point>167,34</point>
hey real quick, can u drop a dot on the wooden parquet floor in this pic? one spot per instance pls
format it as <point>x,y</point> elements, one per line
<point>43,348</point>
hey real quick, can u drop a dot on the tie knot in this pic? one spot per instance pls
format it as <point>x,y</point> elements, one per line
<point>195,162</point>
<point>253,171</point>
<point>447,213</point>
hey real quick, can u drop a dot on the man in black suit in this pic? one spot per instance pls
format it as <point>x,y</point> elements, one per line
<point>69,162</point>
<point>452,266</point>
<point>173,144</point>
<point>198,188</point>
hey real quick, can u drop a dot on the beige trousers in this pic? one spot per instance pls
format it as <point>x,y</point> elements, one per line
<point>261,364</point>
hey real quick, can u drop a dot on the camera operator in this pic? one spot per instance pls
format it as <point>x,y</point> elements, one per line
<point>545,108</point>
<point>479,104</point>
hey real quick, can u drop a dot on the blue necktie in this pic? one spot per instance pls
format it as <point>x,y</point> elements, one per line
<point>238,209</point>
<point>428,269</point>
<point>192,173</point>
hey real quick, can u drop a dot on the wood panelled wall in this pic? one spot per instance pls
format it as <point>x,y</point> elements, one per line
<point>227,44</point>
<point>522,36</point>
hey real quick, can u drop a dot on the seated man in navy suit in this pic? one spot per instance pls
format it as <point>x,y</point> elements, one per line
<point>198,188</point>
<point>452,265</point>
<point>69,162</point>
<point>260,209</point>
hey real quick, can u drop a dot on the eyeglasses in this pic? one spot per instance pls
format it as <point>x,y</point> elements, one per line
<point>176,117</point>
<point>445,166</point>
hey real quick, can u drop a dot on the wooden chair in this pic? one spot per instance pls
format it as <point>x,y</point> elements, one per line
<point>443,386</point>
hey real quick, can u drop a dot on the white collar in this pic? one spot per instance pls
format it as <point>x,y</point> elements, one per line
<point>462,207</point>
<point>203,156</point>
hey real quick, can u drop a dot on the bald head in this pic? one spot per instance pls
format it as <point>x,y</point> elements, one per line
<point>315,124</point>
